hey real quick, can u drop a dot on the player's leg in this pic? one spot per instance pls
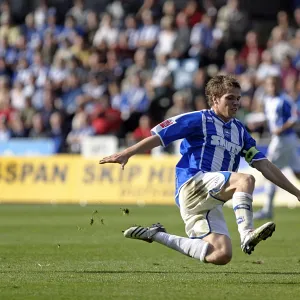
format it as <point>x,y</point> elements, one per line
<point>240,188</point>
<point>279,153</point>
<point>204,223</point>
<point>294,162</point>
<point>219,251</point>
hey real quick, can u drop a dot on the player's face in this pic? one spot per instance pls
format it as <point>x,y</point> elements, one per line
<point>227,106</point>
<point>271,86</point>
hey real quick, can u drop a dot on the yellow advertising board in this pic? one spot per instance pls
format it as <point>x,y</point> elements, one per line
<point>77,179</point>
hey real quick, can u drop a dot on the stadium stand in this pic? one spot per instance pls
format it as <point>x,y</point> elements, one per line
<point>119,69</point>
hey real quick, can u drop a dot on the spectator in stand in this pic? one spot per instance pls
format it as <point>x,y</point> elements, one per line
<point>296,45</point>
<point>161,77</point>
<point>9,31</point>
<point>297,18</point>
<point>252,63</point>
<point>78,12</point>
<point>148,32</point>
<point>5,8</point>
<point>210,8</point>
<point>115,8</point>
<point>58,72</point>
<point>71,89</point>
<point>106,33</point>
<point>180,105</point>
<point>96,62</point>
<point>91,25</point>
<point>141,65</point>
<point>5,70</point>
<point>27,113</point>
<point>287,70</point>
<point>284,24</point>
<point>39,70</point>
<point>80,50</point>
<point>74,66</point>
<point>182,41</point>
<point>251,46</point>
<point>51,25</point>
<point>56,131</point>
<point>70,29</point>
<point>197,92</point>
<point>81,128</point>
<point>291,87</point>
<point>131,31</point>
<point>40,14</point>
<point>166,37</point>
<point>133,103</point>
<point>124,53</point>
<point>17,127</point>
<point>234,24</point>
<point>95,88</point>
<point>63,51</point>
<point>279,46</point>
<point>192,12</point>
<point>38,130</point>
<point>114,69</point>
<point>30,32</point>
<point>4,130</point>
<point>5,106</point>
<point>231,64</point>
<point>169,9</point>
<point>49,107</point>
<point>149,5</point>
<point>135,99</point>
<point>49,48</point>
<point>17,96</point>
<point>105,119</point>
<point>266,68</point>
<point>141,132</point>
<point>202,37</point>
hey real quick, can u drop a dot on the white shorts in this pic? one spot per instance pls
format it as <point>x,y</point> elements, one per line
<point>282,152</point>
<point>201,212</point>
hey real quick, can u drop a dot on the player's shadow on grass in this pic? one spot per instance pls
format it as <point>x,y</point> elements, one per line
<point>182,272</point>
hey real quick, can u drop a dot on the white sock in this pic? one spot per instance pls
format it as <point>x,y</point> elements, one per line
<point>195,248</point>
<point>242,206</point>
<point>270,191</point>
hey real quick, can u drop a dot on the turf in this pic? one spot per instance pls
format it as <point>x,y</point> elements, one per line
<point>52,252</point>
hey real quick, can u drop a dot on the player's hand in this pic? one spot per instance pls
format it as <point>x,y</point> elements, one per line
<point>118,158</point>
<point>277,131</point>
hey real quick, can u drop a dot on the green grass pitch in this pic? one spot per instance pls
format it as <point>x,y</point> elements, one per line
<point>53,252</point>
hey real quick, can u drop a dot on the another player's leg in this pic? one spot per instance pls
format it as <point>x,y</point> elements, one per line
<point>267,211</point>
<point>240,188</point>
<point>279,153</point>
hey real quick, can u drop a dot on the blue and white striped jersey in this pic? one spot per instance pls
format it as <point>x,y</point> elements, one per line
<point>209,144</point>
<point>279,110</point>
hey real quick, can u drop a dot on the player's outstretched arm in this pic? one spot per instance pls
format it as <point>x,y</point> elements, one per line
<point>272,173</point>
<point>141,147</point>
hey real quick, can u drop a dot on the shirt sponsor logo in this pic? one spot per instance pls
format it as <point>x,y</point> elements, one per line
<point>227,133</point>
<point>229,146</point>
<point>167,123</point>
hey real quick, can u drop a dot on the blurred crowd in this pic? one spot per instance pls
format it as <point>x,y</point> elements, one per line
<point>120,73</point>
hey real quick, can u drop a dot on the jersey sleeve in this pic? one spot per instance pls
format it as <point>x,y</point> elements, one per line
<point>249,151</point>
<point>178,127</point>
<point>289,111</point>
